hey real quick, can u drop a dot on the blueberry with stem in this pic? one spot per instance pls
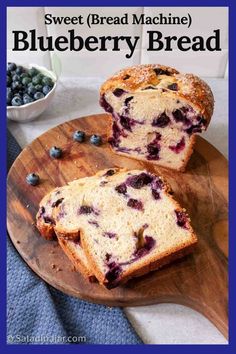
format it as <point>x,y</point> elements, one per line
<point>96,140</point>
<point>55,152</point>
<point>33,179</point>
<point>79,136</point>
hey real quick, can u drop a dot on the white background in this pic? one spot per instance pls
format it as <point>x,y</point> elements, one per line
<point>102,64</point>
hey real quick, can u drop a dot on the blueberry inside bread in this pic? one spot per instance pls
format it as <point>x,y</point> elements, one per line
<point>156,112</point>
<point>124,223</point>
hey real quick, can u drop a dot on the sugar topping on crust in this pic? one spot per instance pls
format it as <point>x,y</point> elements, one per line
<point>168,80</point>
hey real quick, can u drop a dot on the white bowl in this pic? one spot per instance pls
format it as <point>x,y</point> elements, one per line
<point>30,111</point>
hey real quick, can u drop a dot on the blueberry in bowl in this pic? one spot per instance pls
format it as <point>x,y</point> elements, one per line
<point>29,90</point>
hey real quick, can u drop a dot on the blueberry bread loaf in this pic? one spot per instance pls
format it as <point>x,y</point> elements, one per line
<point>128,224</point>
<point>156,112</point>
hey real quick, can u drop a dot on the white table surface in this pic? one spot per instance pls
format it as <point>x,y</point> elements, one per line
<point>161,323</point>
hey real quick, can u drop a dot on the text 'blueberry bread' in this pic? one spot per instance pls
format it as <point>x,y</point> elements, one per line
<point>156,112</point>
<point>128,224</point>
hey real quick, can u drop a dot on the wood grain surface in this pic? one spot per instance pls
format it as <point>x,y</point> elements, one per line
<point>199,280</point>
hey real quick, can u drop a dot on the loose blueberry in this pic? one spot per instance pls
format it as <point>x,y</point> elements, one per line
<point>11,66</point>
<point>46,89</point>
<point>79,136</point>
<point>32,179</point>
<point>55,152</point>
<point>38,96</point>
<point>16,101</point>
<point>96,140</point>
<point>27,99</point>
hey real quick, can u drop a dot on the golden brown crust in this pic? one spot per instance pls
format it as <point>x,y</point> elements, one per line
<point>149,266</point>
<point>72,255</point>
<point>46,231</point>
<point>140,76</point>
<point>157,264</point>
<point>190,87</point>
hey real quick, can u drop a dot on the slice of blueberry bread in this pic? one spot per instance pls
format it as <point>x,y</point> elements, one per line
<point>128,223</point>
<point>156,112</point>
<point>45,223</point>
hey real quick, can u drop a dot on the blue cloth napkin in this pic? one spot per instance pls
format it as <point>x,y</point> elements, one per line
<point>37,313</point>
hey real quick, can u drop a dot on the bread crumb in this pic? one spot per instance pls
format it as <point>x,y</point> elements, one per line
<point>53,266</point>
<point>58,269</point>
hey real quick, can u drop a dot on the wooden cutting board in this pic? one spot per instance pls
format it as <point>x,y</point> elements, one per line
<point>198,280</point>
